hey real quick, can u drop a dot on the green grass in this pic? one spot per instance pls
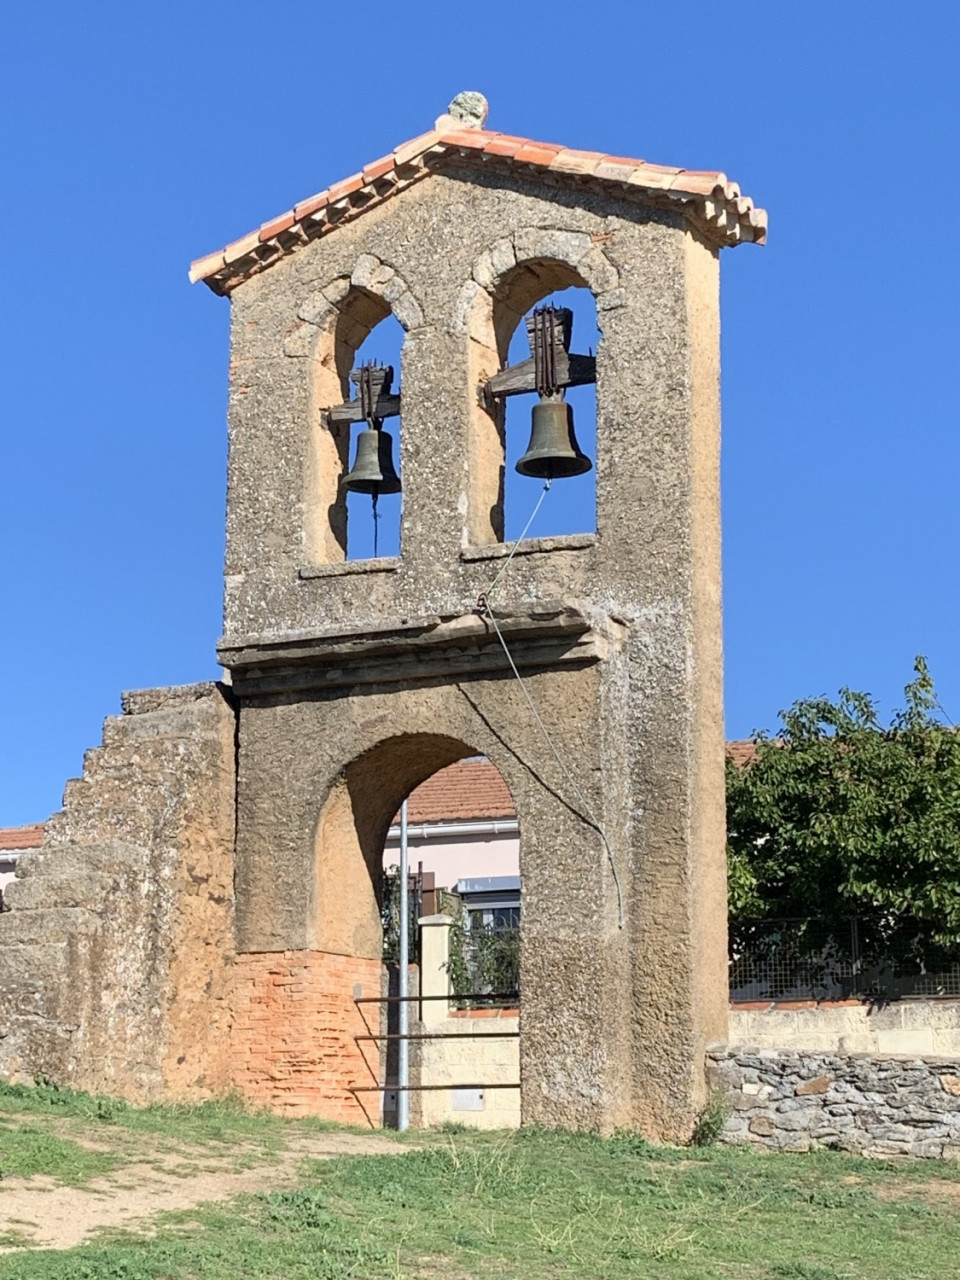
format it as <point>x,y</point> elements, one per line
<point>29,1149</point>
<point>226,1120</point>
<point>541,1204</point>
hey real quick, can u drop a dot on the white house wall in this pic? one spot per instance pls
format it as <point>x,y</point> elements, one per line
<point>467,858</point>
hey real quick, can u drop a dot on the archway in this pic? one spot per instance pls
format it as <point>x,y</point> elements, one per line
<point>572,507</point>
<point>462,848</point>
<point>373,530</point>
<point>310,1024</point>
<point>350,320</point>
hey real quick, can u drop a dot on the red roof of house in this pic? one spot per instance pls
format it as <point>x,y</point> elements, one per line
<point>467,790</point>
<point>13,839</point>
<point>708,198</point>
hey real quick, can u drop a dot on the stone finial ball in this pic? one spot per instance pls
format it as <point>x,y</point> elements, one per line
<point>470,108</point>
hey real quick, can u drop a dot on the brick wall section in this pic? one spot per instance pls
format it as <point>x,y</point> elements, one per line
<point>294,1024</point>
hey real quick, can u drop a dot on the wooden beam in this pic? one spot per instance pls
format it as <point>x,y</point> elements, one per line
<point>386,407</point>
<point>572,371</point>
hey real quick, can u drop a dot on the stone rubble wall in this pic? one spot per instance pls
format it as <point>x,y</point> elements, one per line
<point>791,1100</point>
<point>116,938</point>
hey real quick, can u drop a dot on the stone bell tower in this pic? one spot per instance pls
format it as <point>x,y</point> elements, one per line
<point>354,680</point>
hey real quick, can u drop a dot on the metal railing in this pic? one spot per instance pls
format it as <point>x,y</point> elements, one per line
<point>393,1037</point>
<point>857,958</point>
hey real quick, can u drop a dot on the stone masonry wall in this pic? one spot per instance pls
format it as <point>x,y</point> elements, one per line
<point>486,1059</point>
<point>293,1046</point>
<point>331,660</point>
<point>116,939</point>
<point>918,1028</point>
<point>786,1100</point>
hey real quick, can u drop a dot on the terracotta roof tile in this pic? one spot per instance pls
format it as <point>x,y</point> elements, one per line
<point>709,199</point>
<point>208,266</point>
<point>13,839</point>
<point>306,207</point>
<point>344,187</point>
<point>504,144</point>
<point>474,139</point>
<point>274,227</point>
<point>537,153</point>
<point>569,161</point>
<point>378,168</point>
<point>240,248</point>
<point>742,753</point>
<point>415,147</point>
<point>463,792</point>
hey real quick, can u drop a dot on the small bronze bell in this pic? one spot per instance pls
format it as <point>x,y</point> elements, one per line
<point>553,452</point>
<point>373,470</point>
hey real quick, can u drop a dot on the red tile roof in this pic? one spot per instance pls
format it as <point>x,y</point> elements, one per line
<point>467,790</point>
<point>713,203</point>
<point>13,839</point>
<point>743,752</point>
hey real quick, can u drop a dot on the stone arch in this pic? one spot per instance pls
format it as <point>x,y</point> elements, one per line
<point>300,1040</point>
<point>508,278</point>
<point>351,830</point>
<point>333,322</point>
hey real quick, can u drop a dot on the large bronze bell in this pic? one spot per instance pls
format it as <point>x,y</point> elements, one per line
<point>553,452</point>
<point>373,470</point>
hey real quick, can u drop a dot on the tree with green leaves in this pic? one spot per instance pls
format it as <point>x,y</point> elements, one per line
<point>839,815</point>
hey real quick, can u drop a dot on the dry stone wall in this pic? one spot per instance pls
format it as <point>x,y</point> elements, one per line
<point>787,1100</point>
<point>116,939</point>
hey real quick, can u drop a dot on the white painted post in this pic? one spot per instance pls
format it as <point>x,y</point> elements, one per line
<point>435,966</point>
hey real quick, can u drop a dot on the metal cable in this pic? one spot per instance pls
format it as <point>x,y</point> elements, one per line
<point>586,815</point>
<point>506,563</point>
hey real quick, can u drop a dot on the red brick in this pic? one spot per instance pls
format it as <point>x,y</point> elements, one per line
<point>297,1052</point>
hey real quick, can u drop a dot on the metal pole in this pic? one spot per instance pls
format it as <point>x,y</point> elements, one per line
<point>403,1045</point>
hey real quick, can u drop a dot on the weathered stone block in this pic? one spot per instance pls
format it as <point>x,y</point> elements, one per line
<point>820,1084</point>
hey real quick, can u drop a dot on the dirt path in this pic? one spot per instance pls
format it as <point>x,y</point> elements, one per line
<point>50,1216</point>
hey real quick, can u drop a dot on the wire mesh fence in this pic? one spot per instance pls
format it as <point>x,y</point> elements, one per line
<point>857,958</point>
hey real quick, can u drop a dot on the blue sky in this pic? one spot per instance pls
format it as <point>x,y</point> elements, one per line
<point>137,137</point>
